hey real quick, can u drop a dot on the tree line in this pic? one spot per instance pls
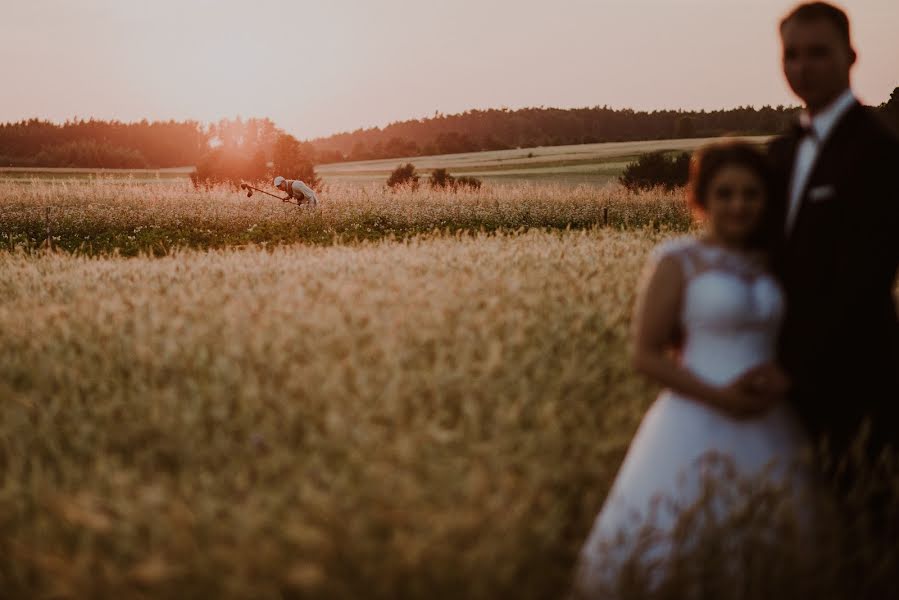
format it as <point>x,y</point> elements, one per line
<point>96,143</point>
<point>502,129</point>
<point>230,150</point>
<point>161,144</point>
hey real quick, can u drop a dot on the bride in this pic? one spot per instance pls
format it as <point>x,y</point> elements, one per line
<point>712,302</point>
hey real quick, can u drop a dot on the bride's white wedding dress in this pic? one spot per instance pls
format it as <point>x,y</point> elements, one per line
<point>731,314</point>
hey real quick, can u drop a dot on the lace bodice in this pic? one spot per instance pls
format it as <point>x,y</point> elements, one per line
<point>731,310</point>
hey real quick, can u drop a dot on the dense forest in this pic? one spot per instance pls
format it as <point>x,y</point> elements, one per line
<point>160,144</point>
<point>110,144</point>
<point>500,129</point>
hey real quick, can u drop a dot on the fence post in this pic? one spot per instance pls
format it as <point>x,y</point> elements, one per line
<point>47,222</point>
<point>605,216</point>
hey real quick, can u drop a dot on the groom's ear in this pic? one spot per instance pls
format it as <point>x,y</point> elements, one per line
<point>853,56</point>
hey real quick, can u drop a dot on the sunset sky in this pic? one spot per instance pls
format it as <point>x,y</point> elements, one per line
<point>323,66</point>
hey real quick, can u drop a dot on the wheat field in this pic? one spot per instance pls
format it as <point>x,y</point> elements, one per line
<point>106,215</point>
<point>401,395</point>
<point>438,416</point>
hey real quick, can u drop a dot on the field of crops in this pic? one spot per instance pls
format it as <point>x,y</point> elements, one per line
<point>583,164</point>
<point>409,395</point>
<point>439,415</point>
<point>103,216</point>
<point>30,174</point>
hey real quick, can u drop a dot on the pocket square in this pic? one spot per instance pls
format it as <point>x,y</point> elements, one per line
<point>821,193</point>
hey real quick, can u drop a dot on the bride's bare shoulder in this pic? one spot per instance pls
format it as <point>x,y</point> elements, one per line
<point>669,261</point>
<point>672,250</point>
<point>674,254</point>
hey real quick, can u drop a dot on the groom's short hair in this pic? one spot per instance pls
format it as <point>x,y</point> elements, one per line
<point>821,11</point>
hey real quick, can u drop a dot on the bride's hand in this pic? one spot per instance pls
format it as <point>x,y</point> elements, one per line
<point>741,402</point>
<point>754,392</point>
<point>766,380</point>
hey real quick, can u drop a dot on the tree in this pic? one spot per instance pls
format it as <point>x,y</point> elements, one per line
<point>223,165</point>
<point>91,154</point>
<point>455,143</point>
<point>440,178</point>
<point>240,152</point>
<point>655,169</point>
<point>491,143</point>
<point>892,105</point>
<point>290,161</point>
<point>330,156</point>
<point>685,127</point>
<point>397,147</point>
<point>472,183</point>
<point>243,151</point>
<point>403,176</point>
<point>890,110</point>
<point>359,151</point>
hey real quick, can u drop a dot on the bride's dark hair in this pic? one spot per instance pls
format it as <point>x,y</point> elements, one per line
<point>708,161</point>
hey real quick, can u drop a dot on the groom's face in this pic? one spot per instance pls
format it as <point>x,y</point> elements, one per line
<point>816,61</point>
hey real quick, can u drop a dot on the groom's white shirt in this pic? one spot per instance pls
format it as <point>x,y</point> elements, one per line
<point>821,125</point>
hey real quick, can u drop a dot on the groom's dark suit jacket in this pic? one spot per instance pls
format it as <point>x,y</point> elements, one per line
<point>840,338</point>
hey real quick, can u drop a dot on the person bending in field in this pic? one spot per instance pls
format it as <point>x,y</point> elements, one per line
<point>297,190</point>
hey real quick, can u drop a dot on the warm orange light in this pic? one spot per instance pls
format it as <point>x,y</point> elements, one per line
<point>318,67</point>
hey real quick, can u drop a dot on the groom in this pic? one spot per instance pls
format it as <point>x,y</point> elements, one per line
<point>836,219</point>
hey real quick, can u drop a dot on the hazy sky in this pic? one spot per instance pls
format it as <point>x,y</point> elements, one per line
<point>322,66</point>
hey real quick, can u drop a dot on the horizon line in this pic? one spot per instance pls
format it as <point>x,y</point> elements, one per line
<point>436,114</point>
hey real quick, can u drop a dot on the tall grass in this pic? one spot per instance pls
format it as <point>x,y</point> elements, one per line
<point>106,216</point>
<point>439,417</point>
<point>408,415</point>
<point>831,536</point>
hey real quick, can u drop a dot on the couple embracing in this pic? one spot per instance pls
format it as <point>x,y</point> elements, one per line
<point>775,331</point>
